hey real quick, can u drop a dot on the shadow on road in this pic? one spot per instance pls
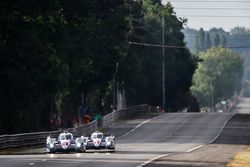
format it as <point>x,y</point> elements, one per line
<point>237,131</point>
<point>176,163</point>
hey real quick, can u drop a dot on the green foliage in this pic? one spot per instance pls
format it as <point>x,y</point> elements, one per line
<point>53,53</point>
<point>217,40</point>
<point>32,69</point>
<point>202,40</point>
<point>191,39</point>
<point>208,42</point>
<point>237,37</point>
<point>218,75</point>
<point>145,85</point>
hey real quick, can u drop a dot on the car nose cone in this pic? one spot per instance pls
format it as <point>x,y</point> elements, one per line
<point>65,145</point>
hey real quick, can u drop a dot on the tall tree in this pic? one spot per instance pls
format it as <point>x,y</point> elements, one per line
<point>202,41</point>
<point>56,54</point>
<point>218,76</point>
<point>51,53</point>
<point>216,40</point>
<point>197,47</point>
<point>180,65</point>
<point>208,42</point>
<point>223,41</point>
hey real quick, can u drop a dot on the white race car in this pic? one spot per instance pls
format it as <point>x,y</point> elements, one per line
<point>65,143</point>
<point>99,141</point>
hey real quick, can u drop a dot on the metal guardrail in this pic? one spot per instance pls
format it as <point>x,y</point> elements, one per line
<point>39,138</point>
<point>26,139</point>
<point>124,113</point>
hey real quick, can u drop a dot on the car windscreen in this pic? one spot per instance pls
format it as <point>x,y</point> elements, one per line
<point>98,136</point>
<point>65,137</point>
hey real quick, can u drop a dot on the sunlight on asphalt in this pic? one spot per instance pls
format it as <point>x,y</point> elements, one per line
<point>78,155</point>
<point>51,155</point>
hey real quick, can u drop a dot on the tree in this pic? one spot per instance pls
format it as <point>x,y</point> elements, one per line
<point>200,42</point>
<point>208,42</point>
<point>197,47</point>
<point>217,40</point>
<point>180,64</point>
<point>190,38</point>
<point>201,35</point>
<point>240,31</point>
<point>32,68</point>
<point>51,53</point>
<point>223,41</point>
<point>218,76</point>
<point>55,55</point>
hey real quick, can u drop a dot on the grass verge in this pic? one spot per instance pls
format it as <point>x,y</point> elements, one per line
<point>242,159</point>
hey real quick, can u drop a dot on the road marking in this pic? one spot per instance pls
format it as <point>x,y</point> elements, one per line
<point>222,128</point>
<point>219,133</point>
<point>177,129</point>
<point>196,148</point>
<point>153,159</point>
<point>139,125</point>
<point>70,161</point>
<point>31,163</point>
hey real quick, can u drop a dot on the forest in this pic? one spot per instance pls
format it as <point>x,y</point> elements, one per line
<point>56,56</point>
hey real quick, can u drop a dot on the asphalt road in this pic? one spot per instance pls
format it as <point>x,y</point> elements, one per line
<point>149,140</point>
<point>234,139</point>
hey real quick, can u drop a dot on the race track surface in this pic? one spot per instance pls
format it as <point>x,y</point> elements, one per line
<point>163,135</point>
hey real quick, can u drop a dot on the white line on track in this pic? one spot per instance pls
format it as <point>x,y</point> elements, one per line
<point>223,126</point>
<point>192,149</point>
<point>69,161</point>
<point>139,125</point>
<point>219,133</point>
<point>153,159</point>
<point>196,148</point>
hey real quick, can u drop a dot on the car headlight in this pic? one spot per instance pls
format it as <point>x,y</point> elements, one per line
<point>78,145</point>
<point>51,145</point>
<point>109,139</point>
<point>108,142</point>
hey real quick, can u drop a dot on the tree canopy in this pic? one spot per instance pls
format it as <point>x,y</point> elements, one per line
<point>146,82</point>
<point>238,39</point>
<point>54,55</point>
<point>218,76</point>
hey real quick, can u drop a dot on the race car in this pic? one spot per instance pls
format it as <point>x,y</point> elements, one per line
<point>99,141</point>
<point>65,143</point>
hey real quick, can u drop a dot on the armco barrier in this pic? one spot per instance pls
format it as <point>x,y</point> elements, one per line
<point>39,138</point>
<point>125,113</point>
<point>26,139</point>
